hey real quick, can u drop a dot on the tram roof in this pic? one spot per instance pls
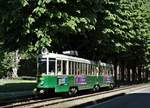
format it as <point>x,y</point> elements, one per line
<point>66,57</point>
<point>71,58</point>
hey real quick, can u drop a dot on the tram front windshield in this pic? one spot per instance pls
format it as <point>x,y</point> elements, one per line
<point>51,66</point>
<point>42,66</point>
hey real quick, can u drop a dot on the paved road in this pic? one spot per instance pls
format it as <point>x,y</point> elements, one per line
<point>135,99</point>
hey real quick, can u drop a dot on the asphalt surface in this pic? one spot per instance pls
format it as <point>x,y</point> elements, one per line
<point>134,99</point>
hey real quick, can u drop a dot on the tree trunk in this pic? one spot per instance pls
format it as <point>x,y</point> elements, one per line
<point>14,73</point>
<point>128,74</point>
<point>115,73</point>
<point>133,74</point>
<point>122,72</point>
<point>146,75</point>
<point>16,61</point>
<point>139,73</point>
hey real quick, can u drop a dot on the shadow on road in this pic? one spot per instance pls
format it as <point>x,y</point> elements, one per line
<point>136,100</point>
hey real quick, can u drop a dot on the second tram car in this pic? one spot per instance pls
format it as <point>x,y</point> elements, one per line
<point>58,73</point>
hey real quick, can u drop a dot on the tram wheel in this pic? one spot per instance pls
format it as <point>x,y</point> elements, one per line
<point>96,88</point>
<point>72,91</point>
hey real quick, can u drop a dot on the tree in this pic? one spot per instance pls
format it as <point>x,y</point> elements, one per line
<point>112,31</point>
<point>123,28</point>
<point>35,24</point>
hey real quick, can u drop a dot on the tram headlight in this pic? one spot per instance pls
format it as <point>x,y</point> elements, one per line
<point>42,91</point>
<point>34,90</point>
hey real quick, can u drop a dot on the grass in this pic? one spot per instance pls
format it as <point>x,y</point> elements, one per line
<point>16,85</point>
<point>13,89</point>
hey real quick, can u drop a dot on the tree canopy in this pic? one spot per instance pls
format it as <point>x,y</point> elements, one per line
<point>107,30</point>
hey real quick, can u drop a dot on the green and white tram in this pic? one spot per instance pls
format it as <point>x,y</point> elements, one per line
<point>58,73</point>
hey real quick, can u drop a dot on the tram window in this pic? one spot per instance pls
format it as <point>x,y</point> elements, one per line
<point>105,72</point>
<point>89,69</point>
<point>111,70</point>
<point>70,68</point>
<point>108,72</point>
<point>59,70</point>
<point>76,72</point>
<point>94,69</point>
<point>81,68</point>
<point>76,68</point>
<point>42,66</point>
<point>100,69</point>
<point>84,69</point>
<point>64,67</point>
<point>51,66</point>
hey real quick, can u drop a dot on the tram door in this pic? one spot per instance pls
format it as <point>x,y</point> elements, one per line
<point>64,67</point>
<point>59,69</point>
<point>61,72</point>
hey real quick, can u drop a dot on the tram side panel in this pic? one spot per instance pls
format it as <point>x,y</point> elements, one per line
<point>58,84</point>
<point>85,82</point>
<point>62,83</point>
<point>81,82</point>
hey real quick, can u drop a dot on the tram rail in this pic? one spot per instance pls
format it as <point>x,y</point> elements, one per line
<point>36,103</point>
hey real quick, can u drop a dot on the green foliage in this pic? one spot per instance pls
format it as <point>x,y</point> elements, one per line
<point>99,29</point>
<point>38,22</point>
<point>6,63</point>
<point>125,24</point>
